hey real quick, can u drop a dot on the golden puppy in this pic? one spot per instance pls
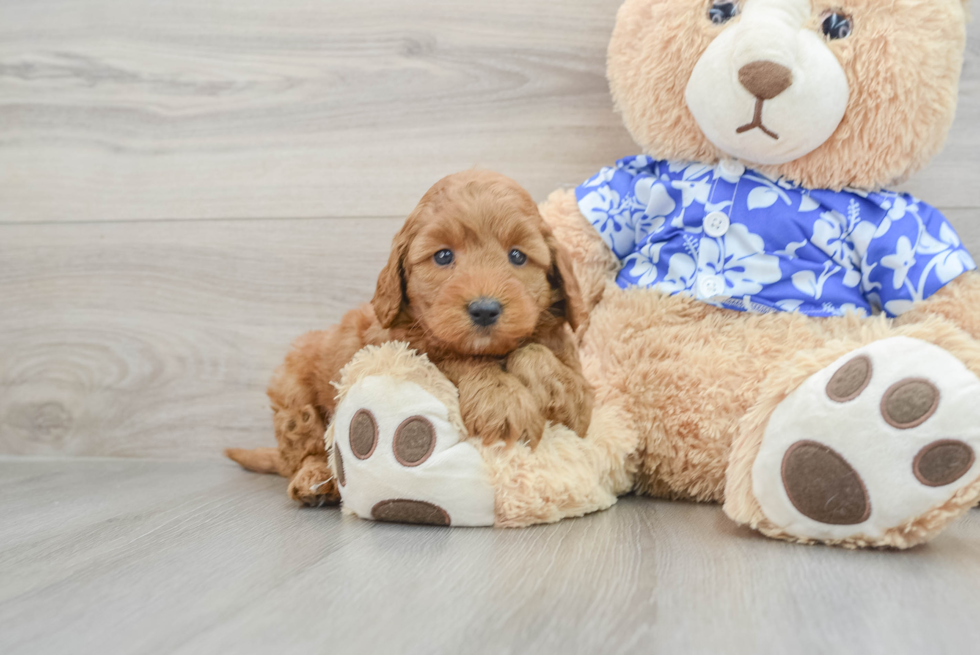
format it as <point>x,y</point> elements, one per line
<point>477,282</point>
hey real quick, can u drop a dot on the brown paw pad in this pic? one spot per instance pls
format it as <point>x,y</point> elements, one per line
<point>823,486</point>
<point>850,379</point>
<point>943,462</point>
<point>363,434</point>
<point>414,441</point>
<point>410,511</point>
<point>909,403</point>
<point>339,463</point>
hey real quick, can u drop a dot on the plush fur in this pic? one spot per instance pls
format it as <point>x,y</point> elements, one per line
<point>684,391</point>
<point>512,376</point>
<point>841,337</point>
<point>563,476</point>
<point>697,384</point>
<point>692,378</point>
<point>902,63</point>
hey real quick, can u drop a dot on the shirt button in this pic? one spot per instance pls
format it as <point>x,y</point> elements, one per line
<point>716,224</point>
<point>731,168</point>
<point>711,286</point>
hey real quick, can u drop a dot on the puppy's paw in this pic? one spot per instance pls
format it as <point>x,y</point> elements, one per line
<point>562,393</point>
<point>314,484</point>
<point>519,421</point>
<point>532,361</point>
<point>510,416</point>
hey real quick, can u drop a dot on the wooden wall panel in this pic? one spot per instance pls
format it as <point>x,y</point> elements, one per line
<point>186,186</point>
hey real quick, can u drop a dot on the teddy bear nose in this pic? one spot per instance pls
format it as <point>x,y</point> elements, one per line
<point>765,79</point>
<point>485,311</point>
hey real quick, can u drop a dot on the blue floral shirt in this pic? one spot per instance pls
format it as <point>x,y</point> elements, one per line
<point>736,239</point>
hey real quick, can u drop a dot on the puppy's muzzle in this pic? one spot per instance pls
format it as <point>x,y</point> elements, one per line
<point>484,312</point>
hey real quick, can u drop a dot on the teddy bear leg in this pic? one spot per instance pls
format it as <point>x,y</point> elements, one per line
<point>400,453</point>
<point>869,442</point>
<point>566,475</point>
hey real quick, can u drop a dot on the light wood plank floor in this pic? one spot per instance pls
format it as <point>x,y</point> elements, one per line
<point>187,185</point>
<point>140,557</point>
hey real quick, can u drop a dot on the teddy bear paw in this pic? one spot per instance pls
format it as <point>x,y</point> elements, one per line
<point>398,458</point>
<point>883,440</point>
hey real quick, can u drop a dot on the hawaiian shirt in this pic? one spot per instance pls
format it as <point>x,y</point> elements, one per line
<point>734,238</point>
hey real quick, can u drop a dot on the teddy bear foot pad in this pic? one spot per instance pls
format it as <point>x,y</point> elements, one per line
<point>874,442</point>
<point>399,459</point>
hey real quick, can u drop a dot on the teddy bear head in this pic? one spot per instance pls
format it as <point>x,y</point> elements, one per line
<point>825,93</point>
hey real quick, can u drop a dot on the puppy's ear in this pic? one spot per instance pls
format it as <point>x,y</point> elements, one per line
<point>569,303</point>
<point>390,297</point>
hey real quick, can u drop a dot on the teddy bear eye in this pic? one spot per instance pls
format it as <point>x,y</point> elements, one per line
<point>837,26</point>
<point>722,12</point>
<point>443,257</point>
<point>517,258</point>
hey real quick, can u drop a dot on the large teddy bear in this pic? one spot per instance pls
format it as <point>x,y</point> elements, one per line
<point>769,328</point>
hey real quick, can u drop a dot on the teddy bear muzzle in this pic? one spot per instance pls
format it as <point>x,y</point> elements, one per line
<point>770,69</point>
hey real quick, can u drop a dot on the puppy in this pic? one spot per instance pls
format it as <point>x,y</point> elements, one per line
<point>477,282</point>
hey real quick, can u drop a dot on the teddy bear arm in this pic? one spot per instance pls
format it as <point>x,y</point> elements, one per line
<point>592,260</point>
<point>957,302</point>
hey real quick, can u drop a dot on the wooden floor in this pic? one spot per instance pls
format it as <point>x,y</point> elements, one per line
<point>187,185</point>
<point>195,557</point>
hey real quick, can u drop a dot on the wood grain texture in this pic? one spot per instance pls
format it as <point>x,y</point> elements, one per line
<point>136,109</point>
<point>140,557</point>
<point>157,162</point>
<point>946,182</point>
<point>156,339</point>
<point>187,186</point>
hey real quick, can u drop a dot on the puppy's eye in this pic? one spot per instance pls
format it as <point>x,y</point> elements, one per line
<point>837,26</point>
<point>517,258</point>
<point>443,257</point>
<point>722,12</point>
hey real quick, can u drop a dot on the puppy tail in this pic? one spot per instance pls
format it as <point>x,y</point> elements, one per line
<point>259,460</point>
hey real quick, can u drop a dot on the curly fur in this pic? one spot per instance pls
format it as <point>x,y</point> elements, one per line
<point>563,476</point>
<point>684,390</point>
<point>511,377</point>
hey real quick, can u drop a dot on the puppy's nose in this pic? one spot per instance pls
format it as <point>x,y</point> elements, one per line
<point>765,79</point>
<point>485,311</point>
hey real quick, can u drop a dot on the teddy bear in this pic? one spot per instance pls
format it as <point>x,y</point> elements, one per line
<point>769,327</point>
